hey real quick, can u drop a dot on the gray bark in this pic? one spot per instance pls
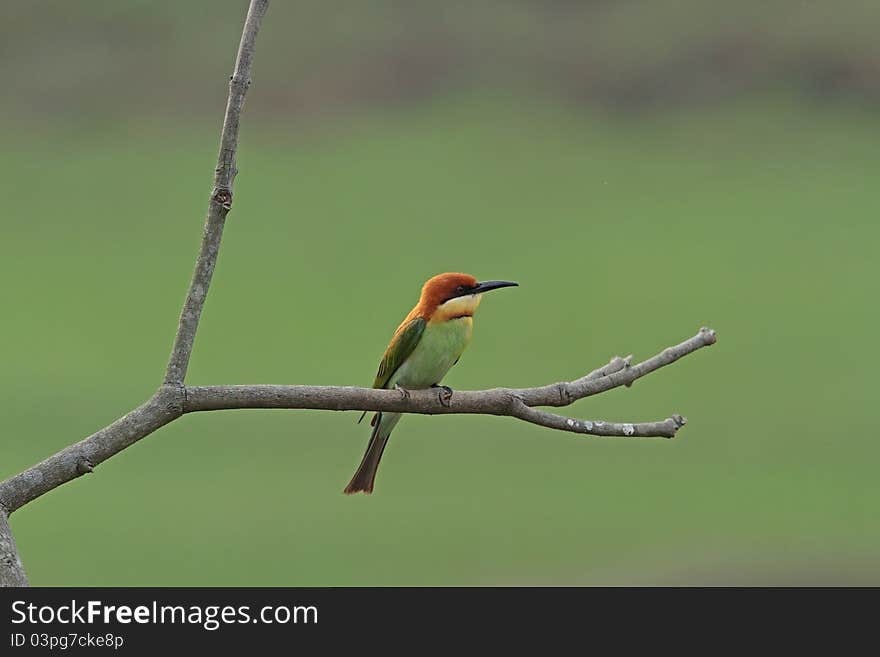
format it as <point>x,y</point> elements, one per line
<point>221,198</point>
<point>11,570</point>
<point>82,457</point>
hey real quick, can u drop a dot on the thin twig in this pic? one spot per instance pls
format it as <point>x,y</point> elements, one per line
<point>665,429</point>
<point>221,199</point>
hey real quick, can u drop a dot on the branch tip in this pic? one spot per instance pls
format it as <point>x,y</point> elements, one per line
<point>221,197</point>
<point>709,335</point>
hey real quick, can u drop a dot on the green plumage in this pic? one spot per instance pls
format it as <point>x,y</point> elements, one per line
<point>399,350</point>
<point>429,341</point>
<point>419,356</point>
<point>440,346</point>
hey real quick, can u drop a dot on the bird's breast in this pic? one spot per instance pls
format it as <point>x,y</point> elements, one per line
<point>441,346</point>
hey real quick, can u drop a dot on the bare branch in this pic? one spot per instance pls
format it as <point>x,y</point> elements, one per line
<point>170,402</point>
<point>665,429</point>
<point>82,457</point>
<point>624,376</point>
<point>497,401</point>
<point>221,199</point>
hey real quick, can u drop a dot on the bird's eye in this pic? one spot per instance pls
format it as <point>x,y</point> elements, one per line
<point>460,288</point>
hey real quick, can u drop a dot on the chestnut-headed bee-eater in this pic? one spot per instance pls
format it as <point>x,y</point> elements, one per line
<point>428,342</point>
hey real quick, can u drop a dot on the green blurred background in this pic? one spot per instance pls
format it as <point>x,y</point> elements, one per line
<point>642,168</point>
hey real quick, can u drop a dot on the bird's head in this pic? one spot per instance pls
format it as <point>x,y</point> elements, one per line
<point>452,294</point>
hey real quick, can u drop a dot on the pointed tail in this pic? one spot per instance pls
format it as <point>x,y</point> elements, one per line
<point>362,482</point>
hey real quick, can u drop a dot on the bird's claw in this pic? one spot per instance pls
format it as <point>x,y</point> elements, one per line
<point>404,391</point>
<point>445,394</point>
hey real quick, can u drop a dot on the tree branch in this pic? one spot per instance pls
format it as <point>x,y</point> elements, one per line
<point>170,402</point>
<point>221,198</point>
<point>498,401</point>
<point>11,570</point>
<point>665,428</point>
<point>82,457</point>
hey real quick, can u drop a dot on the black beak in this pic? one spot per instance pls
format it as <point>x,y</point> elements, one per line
<point>485,286</point>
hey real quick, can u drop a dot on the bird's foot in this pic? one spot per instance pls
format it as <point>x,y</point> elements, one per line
<point>403,391</point>
<point>445,394</point>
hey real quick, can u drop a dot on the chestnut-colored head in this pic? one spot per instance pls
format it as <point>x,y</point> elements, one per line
<point>454,294</point>
<point>441,288</point>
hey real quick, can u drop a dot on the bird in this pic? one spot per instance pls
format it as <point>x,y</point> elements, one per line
<point>425,346</point>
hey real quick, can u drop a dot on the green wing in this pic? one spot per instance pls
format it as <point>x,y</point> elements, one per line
<point>402,345</point>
